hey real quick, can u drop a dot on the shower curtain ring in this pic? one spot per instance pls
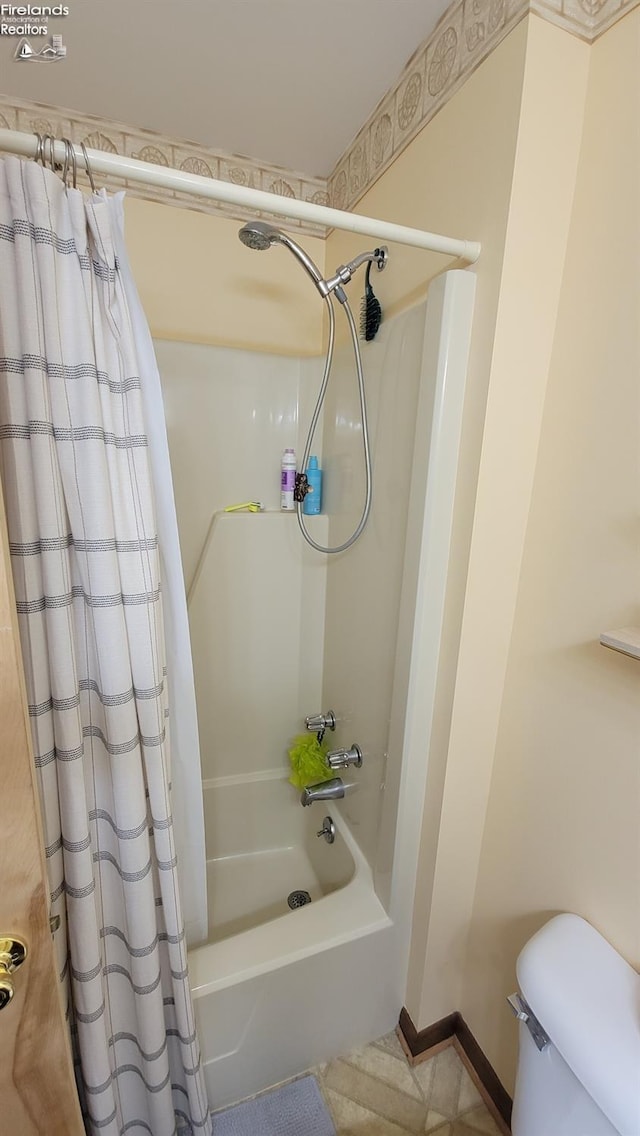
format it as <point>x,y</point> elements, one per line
<point>88,167</point>
<point>39,154</point>
<point>69,161</point>
<point>65,166</point>
<point>48,140</point>
<point>44,138</point>
<point>74,165</point>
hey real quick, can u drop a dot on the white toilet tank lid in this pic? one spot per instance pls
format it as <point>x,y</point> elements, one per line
<point>587,998</point>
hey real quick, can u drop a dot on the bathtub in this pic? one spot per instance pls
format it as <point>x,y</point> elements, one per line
<point>319,973</point>
<point>261,848</point>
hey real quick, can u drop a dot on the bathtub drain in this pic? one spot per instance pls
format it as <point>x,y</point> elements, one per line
<point>298,899</point>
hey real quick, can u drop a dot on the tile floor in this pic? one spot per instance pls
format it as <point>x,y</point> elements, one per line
<point>375,1092</point>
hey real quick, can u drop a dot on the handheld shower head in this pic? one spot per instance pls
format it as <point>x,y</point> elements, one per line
<point>259,235</point>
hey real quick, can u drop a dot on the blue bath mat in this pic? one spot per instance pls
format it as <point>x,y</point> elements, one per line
<point>296,1109</point>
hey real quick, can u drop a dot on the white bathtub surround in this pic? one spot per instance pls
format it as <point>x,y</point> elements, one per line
<point>364,586</point>
<point>257,618</point>
<point>230,414</point>
<point>382,653</point>
<point>86,567</point>
<point>257,608</point>
<point>332,973</point>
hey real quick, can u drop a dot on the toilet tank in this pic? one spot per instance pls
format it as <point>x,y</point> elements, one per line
<point>586,1081</point>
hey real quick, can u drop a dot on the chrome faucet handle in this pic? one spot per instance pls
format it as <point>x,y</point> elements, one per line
<point>317,722</point>
<point>343,758</point>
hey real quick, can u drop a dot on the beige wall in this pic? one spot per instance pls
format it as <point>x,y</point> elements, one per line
<point>199,284</point>
<point>455,177</point>
<point>542,188</point>
<point>561,830</point>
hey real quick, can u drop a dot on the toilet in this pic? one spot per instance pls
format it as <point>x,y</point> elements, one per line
<point>579,1044</point>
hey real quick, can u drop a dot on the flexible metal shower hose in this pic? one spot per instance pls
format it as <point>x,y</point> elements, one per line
<point>365,428</point>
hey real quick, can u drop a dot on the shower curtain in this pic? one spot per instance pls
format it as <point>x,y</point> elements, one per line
<point>84,544</point>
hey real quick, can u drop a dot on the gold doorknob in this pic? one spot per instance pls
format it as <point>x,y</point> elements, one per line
<point>13,952</point>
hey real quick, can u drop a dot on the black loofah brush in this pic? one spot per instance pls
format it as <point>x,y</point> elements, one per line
<point>370,311</point>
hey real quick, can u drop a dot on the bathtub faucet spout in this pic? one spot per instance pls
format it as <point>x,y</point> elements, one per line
<point>331,790</point>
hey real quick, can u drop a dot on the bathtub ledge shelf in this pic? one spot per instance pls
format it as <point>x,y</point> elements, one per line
<point>624,639</point>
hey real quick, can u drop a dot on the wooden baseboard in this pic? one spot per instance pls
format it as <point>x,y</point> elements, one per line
<point>419,1042</point>
<point>454,1030</point>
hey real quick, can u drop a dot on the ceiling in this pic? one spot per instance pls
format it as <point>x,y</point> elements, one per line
<point>288,82</point>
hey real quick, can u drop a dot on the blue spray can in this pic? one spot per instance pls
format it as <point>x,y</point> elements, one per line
<point>312,503</point>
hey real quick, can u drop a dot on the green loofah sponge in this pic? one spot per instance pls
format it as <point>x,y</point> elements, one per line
<point>308,765</point>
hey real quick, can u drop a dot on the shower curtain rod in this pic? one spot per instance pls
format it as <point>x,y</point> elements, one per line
<point>16,142</point>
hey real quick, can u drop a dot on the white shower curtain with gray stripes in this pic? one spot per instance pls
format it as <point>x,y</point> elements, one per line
<point>86,565</point>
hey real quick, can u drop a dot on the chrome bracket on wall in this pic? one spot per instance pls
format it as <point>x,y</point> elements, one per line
<point>524,1013</point>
